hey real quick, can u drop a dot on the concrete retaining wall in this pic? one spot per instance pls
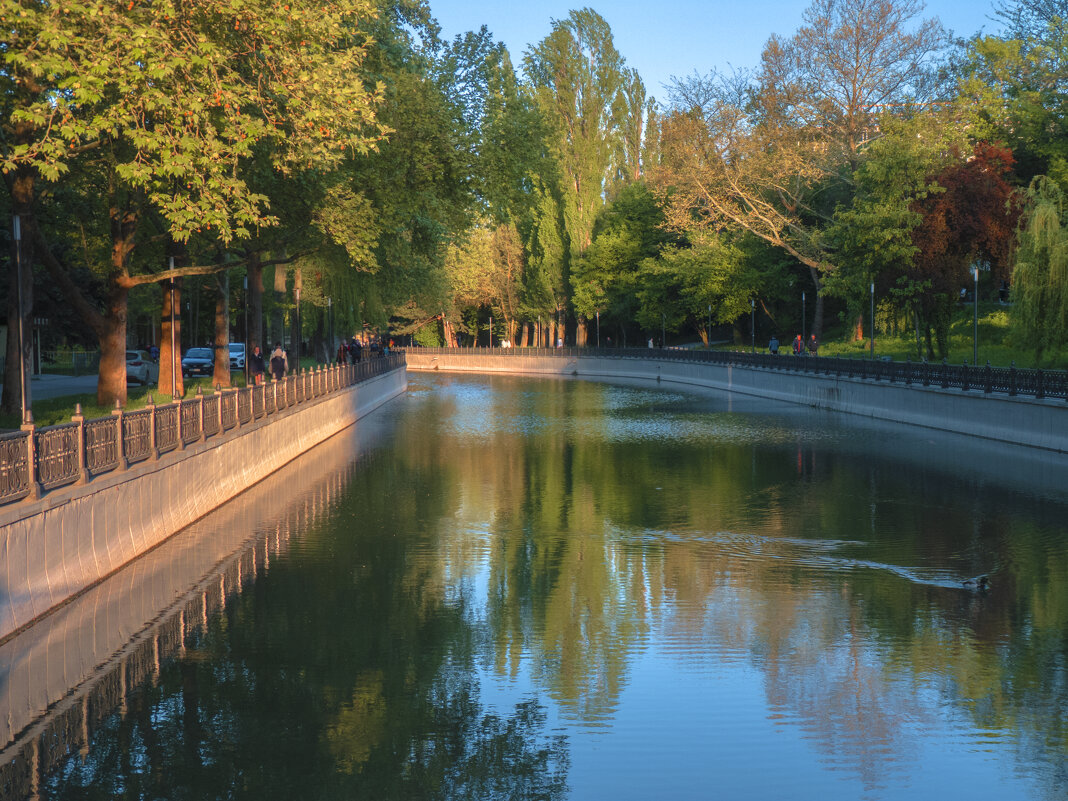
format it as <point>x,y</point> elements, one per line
<point>1024,421</point>
<point>54,548</point>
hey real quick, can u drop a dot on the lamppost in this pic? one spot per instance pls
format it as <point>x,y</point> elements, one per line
<point>752,322</point>
<point>491,332</point>
<point>802,319</point>
<point>598,329</point>
<point>330,319</point>
<point>975,317</point>
<point>22,333</point>
<point>174,378</point>
<point>663,329</point>
<point>247,349</point>
<point>873,320</point>
<point>709,345</point>
<point>296,345</point>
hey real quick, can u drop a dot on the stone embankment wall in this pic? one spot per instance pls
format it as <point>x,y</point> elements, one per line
<point>53,548</point>
<point>997,416</point>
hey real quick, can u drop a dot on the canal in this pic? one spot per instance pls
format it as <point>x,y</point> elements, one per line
<point>555,589</point>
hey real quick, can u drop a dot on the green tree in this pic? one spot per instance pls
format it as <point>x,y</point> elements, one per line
<point>1040,277</point>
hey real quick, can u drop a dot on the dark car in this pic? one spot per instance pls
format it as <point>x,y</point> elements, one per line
<point>198,361</point>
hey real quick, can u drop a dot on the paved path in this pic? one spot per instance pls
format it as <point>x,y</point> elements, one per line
<point>43,387</point>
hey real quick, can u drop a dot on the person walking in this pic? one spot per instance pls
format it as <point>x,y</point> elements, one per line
<point>813,345</point>
<point>773,345</point>
<point>799,346</point>
<point>256,366</point>
<point>279,362</point>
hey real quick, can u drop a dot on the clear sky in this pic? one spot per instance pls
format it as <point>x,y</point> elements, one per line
<point>672,37</point>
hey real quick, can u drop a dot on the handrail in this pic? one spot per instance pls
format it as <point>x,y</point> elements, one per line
<point>1014,381</point>
<point>37,460</point>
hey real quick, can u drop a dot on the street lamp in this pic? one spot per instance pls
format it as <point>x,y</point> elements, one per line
<point>709,344</point>
<point>174,384</point>
<point>296,345</point>
<point>802,319</point>
<point>975,317</point>
<point>598,329</point>
<point>247,349</point>
<point>491,332</point>
<point>663,329</point>
<point>22,333</point>
<point>873,320</point>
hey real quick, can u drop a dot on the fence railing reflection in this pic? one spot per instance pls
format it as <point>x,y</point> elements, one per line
<point>36,460</point>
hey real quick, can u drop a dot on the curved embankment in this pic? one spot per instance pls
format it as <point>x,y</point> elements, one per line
<point>70,671</point>
<point>996,416</point>
<point>56,547</point>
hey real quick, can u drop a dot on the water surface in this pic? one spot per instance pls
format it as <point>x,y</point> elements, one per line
<point>536,588</point>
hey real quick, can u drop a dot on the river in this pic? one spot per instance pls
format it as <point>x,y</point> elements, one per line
<point>558,589</point>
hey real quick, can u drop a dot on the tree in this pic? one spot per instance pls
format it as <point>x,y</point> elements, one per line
<point>576,74</point>
<point>1040,277</point>
<point>773,154</point>
<point>175,99</point>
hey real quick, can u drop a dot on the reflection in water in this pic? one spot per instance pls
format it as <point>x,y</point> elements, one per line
<point>541,588</point>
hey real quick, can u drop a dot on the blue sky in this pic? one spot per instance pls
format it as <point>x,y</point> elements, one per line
<point>672,37</point>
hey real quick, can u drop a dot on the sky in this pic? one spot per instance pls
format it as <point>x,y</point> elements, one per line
<point>666,38</point>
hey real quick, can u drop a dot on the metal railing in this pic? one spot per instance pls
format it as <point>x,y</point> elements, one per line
<point>36,460</point>
<point>1013,381</point>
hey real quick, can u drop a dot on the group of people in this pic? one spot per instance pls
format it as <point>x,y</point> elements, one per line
<point>799,346</point>
<point>278,363</point>
<point>351,352</point>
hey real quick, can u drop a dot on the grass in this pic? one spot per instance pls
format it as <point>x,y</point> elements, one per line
<point>993,342</point>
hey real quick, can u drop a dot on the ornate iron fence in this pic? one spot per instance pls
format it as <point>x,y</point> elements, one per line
<point>35,460</point>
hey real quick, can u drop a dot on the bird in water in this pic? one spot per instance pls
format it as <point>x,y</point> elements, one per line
<point>981,583</point>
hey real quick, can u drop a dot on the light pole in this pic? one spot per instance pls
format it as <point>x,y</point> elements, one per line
<point>873,320</point>
<point>663,329</point>
<point>598,329</point>
<point>491,332</point>
<point>247,349</point>
<point>22,333</point>
<point>330,316</point>
<point>174,385</point>
<point>752,322</point>
<point>709,344</point>
<point>975,317</point>
<point>802,319</point>
<point>296,345</point>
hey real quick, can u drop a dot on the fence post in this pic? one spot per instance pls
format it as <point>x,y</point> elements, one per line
<point>236,394</point>
<point>1012,379</point>
<point>178,424</point>
<point>31,457</point>
<point>153,450</point>
<point>83,467</point>
<point>200,411</point>
<point>120,443</point>
<point>218,407</point>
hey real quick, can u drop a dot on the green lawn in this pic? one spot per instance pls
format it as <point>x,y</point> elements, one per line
<point>993,331</point>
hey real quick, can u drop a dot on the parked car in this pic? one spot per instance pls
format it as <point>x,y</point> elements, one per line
<point>137,362</point>
<point>198,361</point>
<point>237,355</point>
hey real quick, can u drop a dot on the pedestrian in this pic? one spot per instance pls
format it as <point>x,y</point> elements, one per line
<point>256,366</point>
<point>813,346</point>
<point>773,345</point>
<point>799,346</point>
<point>342,353</point>
<point>279,362</point>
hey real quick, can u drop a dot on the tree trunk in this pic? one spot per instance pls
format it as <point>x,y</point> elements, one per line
<point>296,323</point>
<point>221,376</point>
<point>255,302</point>
<point>580,332</point>
<point>278,328</point>
<point>817,314</point>
<point>11,403</point>
<point>111,382</point>
<point>171,362</point>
